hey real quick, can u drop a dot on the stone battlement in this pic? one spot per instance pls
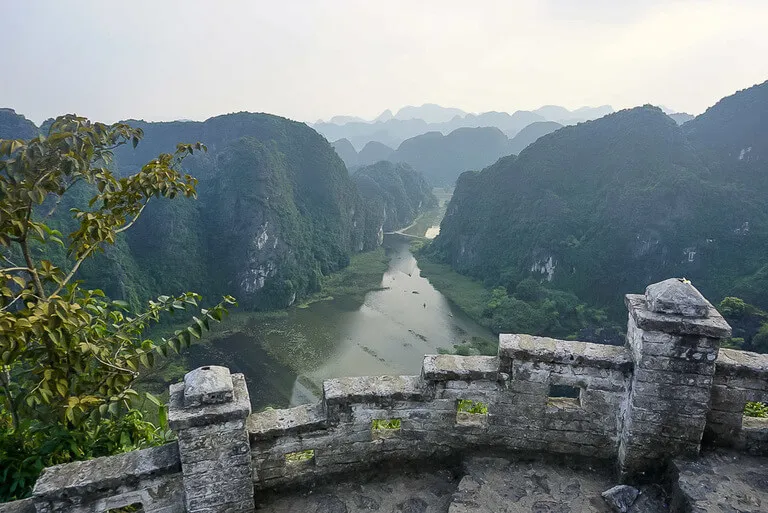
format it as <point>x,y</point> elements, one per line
<point>670,389</point>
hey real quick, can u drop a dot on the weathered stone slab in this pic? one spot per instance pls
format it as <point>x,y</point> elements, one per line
<point>753,437</point>
<point>86,477</point>
<point>712,326</point>
<point>742,364</point>
<point>273,423</point>
<point>577,354</point>
<point>211,384</point>
<point>22,506</point>
<point>372,389</point>
<point>182,417</point>
<point>677,297</point>
<point>445,367</point>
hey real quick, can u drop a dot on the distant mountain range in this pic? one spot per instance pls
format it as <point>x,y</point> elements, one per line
<point>442,158</point>
<point>411,121</point>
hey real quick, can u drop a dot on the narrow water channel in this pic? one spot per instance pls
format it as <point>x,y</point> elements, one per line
<point>285,360</point>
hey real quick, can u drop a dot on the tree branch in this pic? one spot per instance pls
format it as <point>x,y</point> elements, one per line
<point>31,266</point>
<point>5,377</point>
<point>73,271</point>
<point>134,218</point>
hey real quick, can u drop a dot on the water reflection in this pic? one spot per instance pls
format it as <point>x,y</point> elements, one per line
<point>388,334</point>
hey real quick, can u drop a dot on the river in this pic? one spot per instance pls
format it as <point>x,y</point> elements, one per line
<point>388,334</point>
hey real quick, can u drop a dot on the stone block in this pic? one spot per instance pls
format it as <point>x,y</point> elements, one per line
<point>208,385</point>
<point>713,325</point>
<point>180,417</point>
<point>444,367</point>
<point>678,297</point>
<point>743,364</point>
<point>373,389</point>
<point>107,473</point>
<point>547,350</point>
<point>274,423</point>
<point>675,365</point>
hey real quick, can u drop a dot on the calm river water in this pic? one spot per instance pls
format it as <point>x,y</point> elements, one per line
<point>286,359</point>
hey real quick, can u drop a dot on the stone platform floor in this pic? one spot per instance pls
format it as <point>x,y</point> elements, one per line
<point>722,482</point>
<point>480,484</point>
<point>718,482</point>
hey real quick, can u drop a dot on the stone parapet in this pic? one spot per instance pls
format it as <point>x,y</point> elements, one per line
<point>552,351</point>
<point>150,477</point>
<point>639,406</point>
<point>740,377</point>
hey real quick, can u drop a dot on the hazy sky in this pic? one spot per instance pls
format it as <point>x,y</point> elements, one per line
<point>162,59</point>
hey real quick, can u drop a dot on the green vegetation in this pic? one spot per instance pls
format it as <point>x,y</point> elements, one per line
<point>69,356</point>
<point>759,410</point>
<point>431,217</point>
<point>385,424</point>
<point>749,323</point>
<point>473,407</point>
<point>606,207</point>
<point>362,275</point>
<point>299,456</point>
<point>530,308</point>
<point>393,195</point>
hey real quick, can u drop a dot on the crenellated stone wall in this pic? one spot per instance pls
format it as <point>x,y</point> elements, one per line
<point>634,408</point>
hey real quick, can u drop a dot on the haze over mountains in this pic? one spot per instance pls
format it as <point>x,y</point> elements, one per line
<point>439,149</point>
<point>410,121</point>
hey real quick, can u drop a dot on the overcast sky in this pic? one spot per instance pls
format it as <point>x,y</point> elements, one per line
<point>163,59</point>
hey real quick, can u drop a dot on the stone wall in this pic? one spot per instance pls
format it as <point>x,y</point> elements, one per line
<point>740,376</point>
<point>149,477</point>
<point>633,407</point>
<point>514,387</point>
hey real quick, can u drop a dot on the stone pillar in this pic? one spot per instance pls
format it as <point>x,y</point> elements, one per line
<point>208,412</point>
<point>674,335</point>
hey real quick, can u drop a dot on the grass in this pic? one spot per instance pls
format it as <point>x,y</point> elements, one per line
<point>754,409</point>
<point>383,424</point>
<point>299,456</point>
<point>362,275</point>
<point>468,294</point>
<point>473,407</point>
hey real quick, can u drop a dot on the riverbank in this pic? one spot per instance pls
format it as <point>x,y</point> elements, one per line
<point>431,218</point>
<point>467,294</point>
<point>362,275</point>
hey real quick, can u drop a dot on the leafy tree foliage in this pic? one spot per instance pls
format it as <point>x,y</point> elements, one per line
<point>749,323</point>
<point>69,356</point>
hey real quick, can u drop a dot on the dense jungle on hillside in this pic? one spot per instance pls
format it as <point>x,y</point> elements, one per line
<point>607,206</point>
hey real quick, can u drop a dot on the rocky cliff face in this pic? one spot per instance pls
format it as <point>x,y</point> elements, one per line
<point>276,207</point>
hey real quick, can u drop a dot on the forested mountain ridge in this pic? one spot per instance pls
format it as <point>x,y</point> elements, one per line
<point>393,195</point>
<point>442,158</point>
<point>276,210</point>
<point>732,136</point>
<point>15,126</point>
<point>413,121</point>
<point>607,206</point>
